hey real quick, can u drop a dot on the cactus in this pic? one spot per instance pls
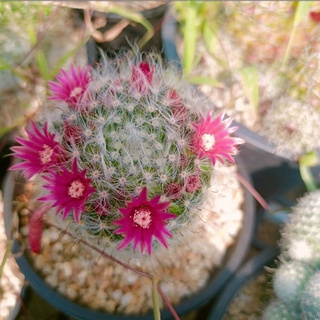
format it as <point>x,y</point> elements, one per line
<point>297,281</point>
<point>277,310</point>
<point>289,281</point>
<point>126,152</point>
<point>301,238</point>
<point>310,299</point>
<point>292,126</point>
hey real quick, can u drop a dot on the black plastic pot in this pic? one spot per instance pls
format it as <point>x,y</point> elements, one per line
<point>257,141</point>
<point>251,269</point>
<point>233,259</point>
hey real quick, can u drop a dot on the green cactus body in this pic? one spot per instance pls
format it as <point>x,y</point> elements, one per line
<point>277,310</point>
<point>301,235</point>
<point>289,281</point>
<point>310,298</point>
<point>297,280</point>
<point>292,126</point>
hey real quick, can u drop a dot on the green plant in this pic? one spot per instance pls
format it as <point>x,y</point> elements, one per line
<point>297,281</point>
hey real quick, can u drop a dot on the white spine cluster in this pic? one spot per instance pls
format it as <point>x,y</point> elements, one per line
<point>292,126</point>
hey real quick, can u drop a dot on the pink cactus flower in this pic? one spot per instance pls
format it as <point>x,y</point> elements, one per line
<point>39,151</point>
<point>315,16</point>
<point>72,133</point>
<point>193,183</point>
<point>178,109</point>
<point>212,139</point>
<point>144,219</point>
<point>70,86</point>
<point>141,77</point>
<point>69,191</point>
<point>174,191</point>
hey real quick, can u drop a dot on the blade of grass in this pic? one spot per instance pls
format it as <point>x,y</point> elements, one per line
<point>42,64</point>
<point>131,15</point>
<point>301,10</point>
<point>65,58</point>
<point>213,44</point>
<point>190,37</point>
<point>250,83</point>
<point>155,299</point>
<point>5,257</point>
<point>203,80</point>
<point>4,66</point>
<point>305,163</point>
<point>307,177</point>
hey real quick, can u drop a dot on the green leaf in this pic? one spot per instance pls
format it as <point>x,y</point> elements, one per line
<point>213,44</point>
<point>198,80</point>
<point>4,130</point>
<point>308,178</point>
<point>65,58</point>
<point>309,159</point>
<point>155,299</point>
<point>42,64</point>
<point>250,83</point>
<point>301,10</point>
<point>5,257</point>
<point>5,66</point>
<point>189,37</point>
<point>32,35</point>
<point>131,15</point>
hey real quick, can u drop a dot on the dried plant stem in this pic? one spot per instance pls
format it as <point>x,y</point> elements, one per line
<point>5,257</point>
<point>167,302</point>
<point>253,191</point>
<point>108,35</point>
<point>125,265</point>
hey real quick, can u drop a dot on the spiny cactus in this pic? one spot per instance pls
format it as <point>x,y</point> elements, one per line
<point>292,126</point>
<point>127,151</point>
<point>310,299</point>
<point>301,235</point>
<point>289,281</point>
<point>297,281</point>
<point>277,310</point>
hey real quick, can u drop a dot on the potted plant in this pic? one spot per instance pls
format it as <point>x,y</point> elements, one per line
<point>296,280</point>
<point>126,156</point>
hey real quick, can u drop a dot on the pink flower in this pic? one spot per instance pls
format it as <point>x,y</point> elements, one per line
<point>141,77</point>
<point>142,220</point>
<point>70,86</point>
<point>193,183</point>
<point>72,132</point>
<point>68,191</point>
<point>315,16</point>
<point>39,151</point>
<point>174,191</point>
<point>212,139</point>
<point>178,109</point>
